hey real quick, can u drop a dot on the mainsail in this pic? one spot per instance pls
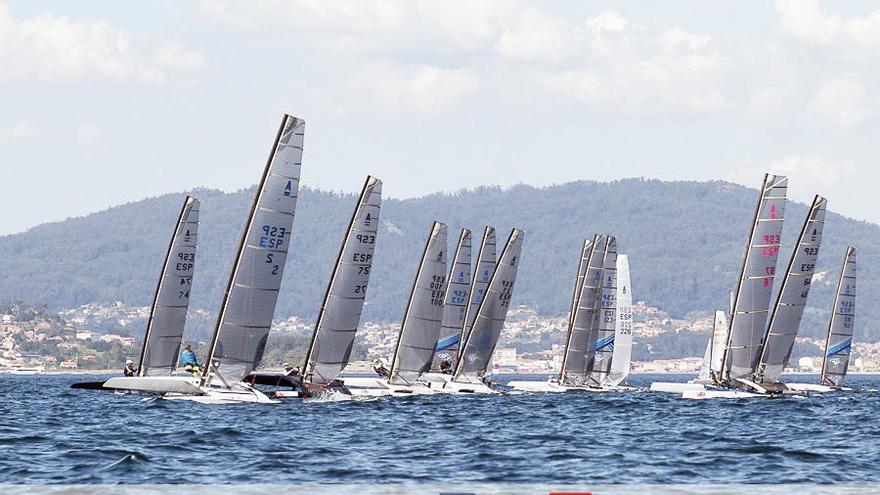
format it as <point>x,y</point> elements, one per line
<point>171,301</point>
<point>622,357</point>
<point>481,341</point>
<point>340,313</point>
<point>456,297</point>
<point>485,266</point>
<point>792,298</point>
<point>838,344</point>
<point>714,348</point>
<point>579,346</point>
<point>249,301</point>
<point>421,321</point>
<point>606,318</point>
<point>751,301</point>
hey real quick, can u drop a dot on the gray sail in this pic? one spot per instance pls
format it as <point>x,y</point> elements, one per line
<point>458,287</point>
<point>792,298</point>
<point>621,359</point>
<point>168,313</point>
<point>751,301</point>
<point>249,301</point>
<point>420,327</point>
<point>579,348</point>
<point>583,262</point>
<point>481,341</point>
<point>340,313</point>
<point>606,316</point>
<point>485,266</point>
<point>838,344</point>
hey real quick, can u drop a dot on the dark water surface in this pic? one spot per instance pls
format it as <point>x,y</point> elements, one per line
<point>52,434</point>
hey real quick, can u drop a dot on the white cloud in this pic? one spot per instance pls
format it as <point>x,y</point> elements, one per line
<point>89,135</point>
<point>19,130</point>
<point>842,101</point>
<point>806,22</point>
<point>808,174</point>
<point>422,87</point>
<point>535,36</point>
<point>56,48</point>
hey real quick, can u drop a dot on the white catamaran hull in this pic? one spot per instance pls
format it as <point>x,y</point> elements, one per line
<point>552,387</point>
<point>676,387</point>
<point>443,384</point>
<point>813,387</point>
<point>379,387</point>
<point>187,388</point>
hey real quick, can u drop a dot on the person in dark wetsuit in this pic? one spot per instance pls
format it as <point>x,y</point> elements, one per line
<point>129,369</point>
<point>446,367</point>
<point>379,367</point>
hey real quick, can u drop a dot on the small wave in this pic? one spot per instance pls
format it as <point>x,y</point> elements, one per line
<point>124,460</point>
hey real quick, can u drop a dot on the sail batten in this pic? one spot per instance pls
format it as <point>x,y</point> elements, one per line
<point>838,342</point>
<point>167,319</point>
<point>751,299</point>
<point>420,327</point>
<point>455,300</point>
<point>251,294</point>
<point>340,313</point>
<point>476,356</point>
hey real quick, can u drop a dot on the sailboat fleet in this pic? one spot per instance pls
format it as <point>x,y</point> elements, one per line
<point>457,308</point>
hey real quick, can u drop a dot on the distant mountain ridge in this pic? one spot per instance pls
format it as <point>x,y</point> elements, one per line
<point>685,241</point>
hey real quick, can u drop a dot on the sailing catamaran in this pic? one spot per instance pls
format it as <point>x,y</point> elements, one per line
<point>598,346</point>
<point>248,304</point>
<point>164,333</point>
<point>838,342</point>
<point>479,343</point>
<point>419,329</point>
<point>455,304</point>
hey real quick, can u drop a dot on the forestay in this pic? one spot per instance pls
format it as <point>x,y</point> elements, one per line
<point>481,341</point>
<point>606,317</point>
<point>622,356</point>
<point>580,347</point>
<point>485,266</point>
<point>340,313</point>
<point>455,298</point>
<point>751,301</point>
<point>792,298</point>
<point>171,300</point>
<point>838,344</point>
<point>252,291</point>
<point>420,327</point>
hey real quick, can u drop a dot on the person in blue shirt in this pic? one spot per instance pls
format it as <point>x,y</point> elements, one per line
<point>190,361</point>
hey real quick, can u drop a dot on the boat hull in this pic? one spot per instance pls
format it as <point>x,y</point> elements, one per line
<point>379,387</point>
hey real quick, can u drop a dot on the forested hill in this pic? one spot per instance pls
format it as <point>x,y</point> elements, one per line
<point>685,241</point>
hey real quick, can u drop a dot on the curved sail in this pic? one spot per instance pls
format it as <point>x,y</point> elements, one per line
<point>622,356</point>
<point>751,300</point>
<point>171,301</point>
<point>579,345</point>
<point>421,322</point>
<point>340,313</point>
<point>481,341</point>
<point>606,317</point>
<point>838,344</point>
<point>456,297</point>
<point>792,298</point>
<point>485,266</point>
<point>252,291</point>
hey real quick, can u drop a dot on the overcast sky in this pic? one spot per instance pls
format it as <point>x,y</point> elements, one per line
<point>105,102</point>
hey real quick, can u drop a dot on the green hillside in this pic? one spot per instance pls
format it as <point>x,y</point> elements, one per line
<point>684,239</point>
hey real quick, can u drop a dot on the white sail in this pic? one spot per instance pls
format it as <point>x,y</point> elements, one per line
<point>168,313</point>
<point>580,344</point>
<point>458,286</point>
<point>340,313</point>
<point>719,341</point>
<point>249,301</point>
<point>421,321</point>
<point>621,360</point>
<point>751,301</point>
<point>838,343</point>
<point>792,298</point>
<point>606,316</point>
<point>485,266</point>
<point>476,356</point>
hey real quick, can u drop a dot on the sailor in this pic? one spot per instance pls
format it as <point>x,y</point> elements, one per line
<point>446,366</point>
<point>190,361</point>
<point>290,370</point>
<point>129,368</point>
<point>379,367</point>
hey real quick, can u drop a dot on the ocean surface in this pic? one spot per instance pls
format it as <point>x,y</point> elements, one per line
<point>50,433</point>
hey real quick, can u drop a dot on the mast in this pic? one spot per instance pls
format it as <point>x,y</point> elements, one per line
<point>785,318</point>
<point>751,300</point>
<point>586,249</point>
<point>456,295</point>
<point>486,259</point>
<point>420,326</point>
<point>248,303</point>
<point>340,312</point>
<point>183,273</point>
<point>838,341</point>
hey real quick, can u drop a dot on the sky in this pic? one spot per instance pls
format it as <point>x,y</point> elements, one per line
<point>107,102</point>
